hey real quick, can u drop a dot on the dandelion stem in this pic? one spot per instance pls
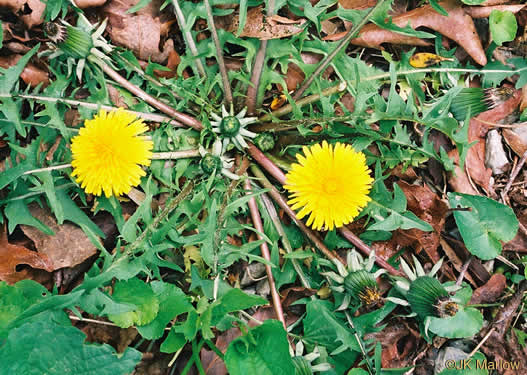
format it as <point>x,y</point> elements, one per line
<point>52,168</point>
<point>285,241</point>
<point>259,61</point>
<point>172,155</point>
<point>219,54</point>
<point>78,103</point>
<point>188,37</point>
<point>288,108</point>
<point>156,103</point>
<point>257,222</point>
<point>342,45</point>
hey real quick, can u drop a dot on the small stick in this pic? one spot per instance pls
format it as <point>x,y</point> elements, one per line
<point>480,344</point>
<point>463,271</point>
<point>257,221</point>
<point>513,176</point>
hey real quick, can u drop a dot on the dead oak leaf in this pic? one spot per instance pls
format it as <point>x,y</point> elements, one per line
<point>67,248</point>
<point>262,27</point>
<point>142,31</point>
<point>458,26</point>
<point>13,255</point>
<point>430,208</point>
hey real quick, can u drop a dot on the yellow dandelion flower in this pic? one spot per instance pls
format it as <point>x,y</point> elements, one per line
<point>331,185</point>
<point>108,152</point>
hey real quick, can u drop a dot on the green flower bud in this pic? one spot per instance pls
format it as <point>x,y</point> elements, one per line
<point>427,297</point>
<point>264,141</point>
<point>229,126</point>
<point>362,285</point>
<point>71,40</point>
<point>209,163</point>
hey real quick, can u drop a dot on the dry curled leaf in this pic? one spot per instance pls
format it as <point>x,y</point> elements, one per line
<point>67,248</point>
<point>14,255</point>
<point>83,4</point>
<point>490,291</point>
<point>265,28</point>
<point>31,12</point>
<point>457,26</point>
<point>142,31</point>
<point>430,208</point>
<point>484,12</point>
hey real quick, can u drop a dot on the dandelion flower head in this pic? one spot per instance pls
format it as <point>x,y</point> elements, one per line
<point>330,184</point>
<point>109,151</point>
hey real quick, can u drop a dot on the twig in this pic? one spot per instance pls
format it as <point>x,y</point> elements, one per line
<point>365,249</point>
<point>480,344</point>
<point>277,197</point>
<point>188,37</point>
<point>171,155</point>
<point>342,45</point>
<point>513,176</point>
<point>463,271</point>
<point>156,103</point>
<point>219,54</point>
<point>161,216</point>
<point>259,61</point>
<point>257,222</point>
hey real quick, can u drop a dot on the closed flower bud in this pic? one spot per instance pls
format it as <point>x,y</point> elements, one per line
<point>264,141</point>
<point>427,297</point>
<point>362,285</point>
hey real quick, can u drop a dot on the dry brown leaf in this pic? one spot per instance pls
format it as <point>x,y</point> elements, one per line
<point>457,26</point>
<point>14,255</point>
<point>516,139</point>
<point>67,248</point>
<point>262,27</point>
<point>357,4</point>
<point>31,75</point>
<point>478,128</point>
<point>490,291</point>
<point>397,342</point>
<point>83,4</point>
<point>484,12</point>
<point>142,32</point>
<point>428,207</point>
<point>30,11</point>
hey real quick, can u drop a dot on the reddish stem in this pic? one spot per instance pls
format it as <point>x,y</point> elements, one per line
<point>257,221</point>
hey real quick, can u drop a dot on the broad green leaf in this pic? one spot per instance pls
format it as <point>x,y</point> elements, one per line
<point>466,323</point>
<point>11,111</point>
<point>45,347</point>
<point>140,294</point>
<point>484,225</point>
<point>323,328</point>
<point>503,26</point>
<point>172,302</point>
<point>173,342</point>
<point>263,351</point>
<point>73,213</point>
<point>235,300</point>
